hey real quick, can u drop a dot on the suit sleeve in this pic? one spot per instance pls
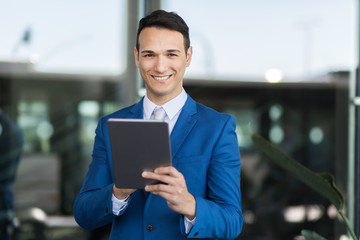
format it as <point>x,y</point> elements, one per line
<point>220,215</point>
<point>93,205</point>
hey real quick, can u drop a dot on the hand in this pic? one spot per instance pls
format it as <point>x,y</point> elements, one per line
<point>122,193</point>
<point>173,189</point>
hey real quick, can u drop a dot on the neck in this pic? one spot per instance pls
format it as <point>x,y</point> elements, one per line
<point>161,100</point>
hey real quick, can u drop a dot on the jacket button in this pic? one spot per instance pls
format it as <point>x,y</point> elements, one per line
<point>106,210</point>
<point>149,228</point>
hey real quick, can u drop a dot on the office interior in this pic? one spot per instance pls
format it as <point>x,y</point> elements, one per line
<point>286,70</point>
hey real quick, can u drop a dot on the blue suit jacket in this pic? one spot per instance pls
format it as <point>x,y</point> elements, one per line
<point>204,149</point>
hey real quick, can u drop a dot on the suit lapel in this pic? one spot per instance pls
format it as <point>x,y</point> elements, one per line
<point>136,111</point>
<point>183,126</point>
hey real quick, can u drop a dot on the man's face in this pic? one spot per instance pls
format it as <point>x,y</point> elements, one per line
<point>162,61</point>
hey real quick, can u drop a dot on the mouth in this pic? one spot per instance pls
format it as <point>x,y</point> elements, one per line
<point>161,78</point>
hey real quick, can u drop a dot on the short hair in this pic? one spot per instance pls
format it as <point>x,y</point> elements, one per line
<point>167,20</point>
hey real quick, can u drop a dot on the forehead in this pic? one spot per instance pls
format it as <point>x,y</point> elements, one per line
<point>153,37</point>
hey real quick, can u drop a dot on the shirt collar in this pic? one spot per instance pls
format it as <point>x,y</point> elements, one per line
<point>171,107</point>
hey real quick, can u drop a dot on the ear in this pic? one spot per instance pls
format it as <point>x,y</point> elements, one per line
<point>189,56</point>
<point>136,55</point>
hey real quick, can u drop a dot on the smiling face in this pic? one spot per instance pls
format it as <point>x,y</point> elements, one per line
<point>162,61</point>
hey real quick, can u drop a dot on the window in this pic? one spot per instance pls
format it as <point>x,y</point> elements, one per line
<point>242,40</point>
<point>65,36</point>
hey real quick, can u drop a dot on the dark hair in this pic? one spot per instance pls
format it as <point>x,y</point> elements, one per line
<point>168,20</point>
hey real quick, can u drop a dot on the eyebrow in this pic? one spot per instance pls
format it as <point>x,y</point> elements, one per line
<point>169,51</point>
<point>173,50</point>
<point>147,51</point>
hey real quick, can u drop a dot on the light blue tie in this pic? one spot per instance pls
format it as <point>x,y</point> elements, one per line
<point>159,114</point>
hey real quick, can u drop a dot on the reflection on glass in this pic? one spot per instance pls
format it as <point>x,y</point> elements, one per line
<point>314,212</point>
<point>44,131</point>
<point>276,134</point>
<point>249,217</point>
<point>344,237</point>
<point>295,214</point>
<point>246,126</point>
<point>332,212</point>
<point>316,135</point>
<point>37,130</point>
<point>89,113</point>
<point>89,108</point>
<point>273,75</point>
<point>275,112</point>
<point>110,107</point>
<point>240,44</point>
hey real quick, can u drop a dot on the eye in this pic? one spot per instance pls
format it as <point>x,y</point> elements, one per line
<point>148,55</point>
<point>172,55</point>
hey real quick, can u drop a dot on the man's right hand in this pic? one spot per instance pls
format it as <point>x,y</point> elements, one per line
<point>122,193</point>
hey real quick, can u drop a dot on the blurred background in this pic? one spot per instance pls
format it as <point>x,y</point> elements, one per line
<point>284,69</point>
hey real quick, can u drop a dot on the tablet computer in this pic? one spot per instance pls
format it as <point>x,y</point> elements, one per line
<point>137,145</point>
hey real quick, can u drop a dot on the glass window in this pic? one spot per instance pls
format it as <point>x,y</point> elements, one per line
<point>43,43</point>
<point>242,40</point>
<point>65,36</point>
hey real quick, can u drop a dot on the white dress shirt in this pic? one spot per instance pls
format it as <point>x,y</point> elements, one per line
<point>173,109</point>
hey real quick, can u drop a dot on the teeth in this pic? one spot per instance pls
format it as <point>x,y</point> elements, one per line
<point>161,78</point>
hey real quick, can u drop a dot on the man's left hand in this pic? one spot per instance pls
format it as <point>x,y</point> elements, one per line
<point>173,189</point>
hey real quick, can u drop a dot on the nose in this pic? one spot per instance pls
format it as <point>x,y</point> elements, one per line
<point>160,64</point>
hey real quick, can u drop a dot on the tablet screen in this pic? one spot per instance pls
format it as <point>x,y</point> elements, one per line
<point>137,145</point>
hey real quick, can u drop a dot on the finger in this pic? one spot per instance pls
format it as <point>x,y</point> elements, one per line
<point>159,188</point>
<point>162,194</point>
<point>168,171</point>
<point>168,196</point>
<point>158,177</point>
<point>172,176</point>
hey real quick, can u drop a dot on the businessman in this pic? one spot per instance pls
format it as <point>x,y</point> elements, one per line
<point>199,195</point>
<point>11,142</point>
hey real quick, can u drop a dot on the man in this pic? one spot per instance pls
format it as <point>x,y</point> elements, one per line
<point>11,142</point>
<point>201,195</point>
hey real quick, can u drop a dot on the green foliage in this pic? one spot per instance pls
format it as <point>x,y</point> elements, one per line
<point>309,235</point>
<point>322,183</point>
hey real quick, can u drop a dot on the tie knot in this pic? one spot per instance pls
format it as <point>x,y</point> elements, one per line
<point>159,113</point>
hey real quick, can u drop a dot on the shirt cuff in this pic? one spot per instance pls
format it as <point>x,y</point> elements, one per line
<point>188,224</point>
<point>118,204</point>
